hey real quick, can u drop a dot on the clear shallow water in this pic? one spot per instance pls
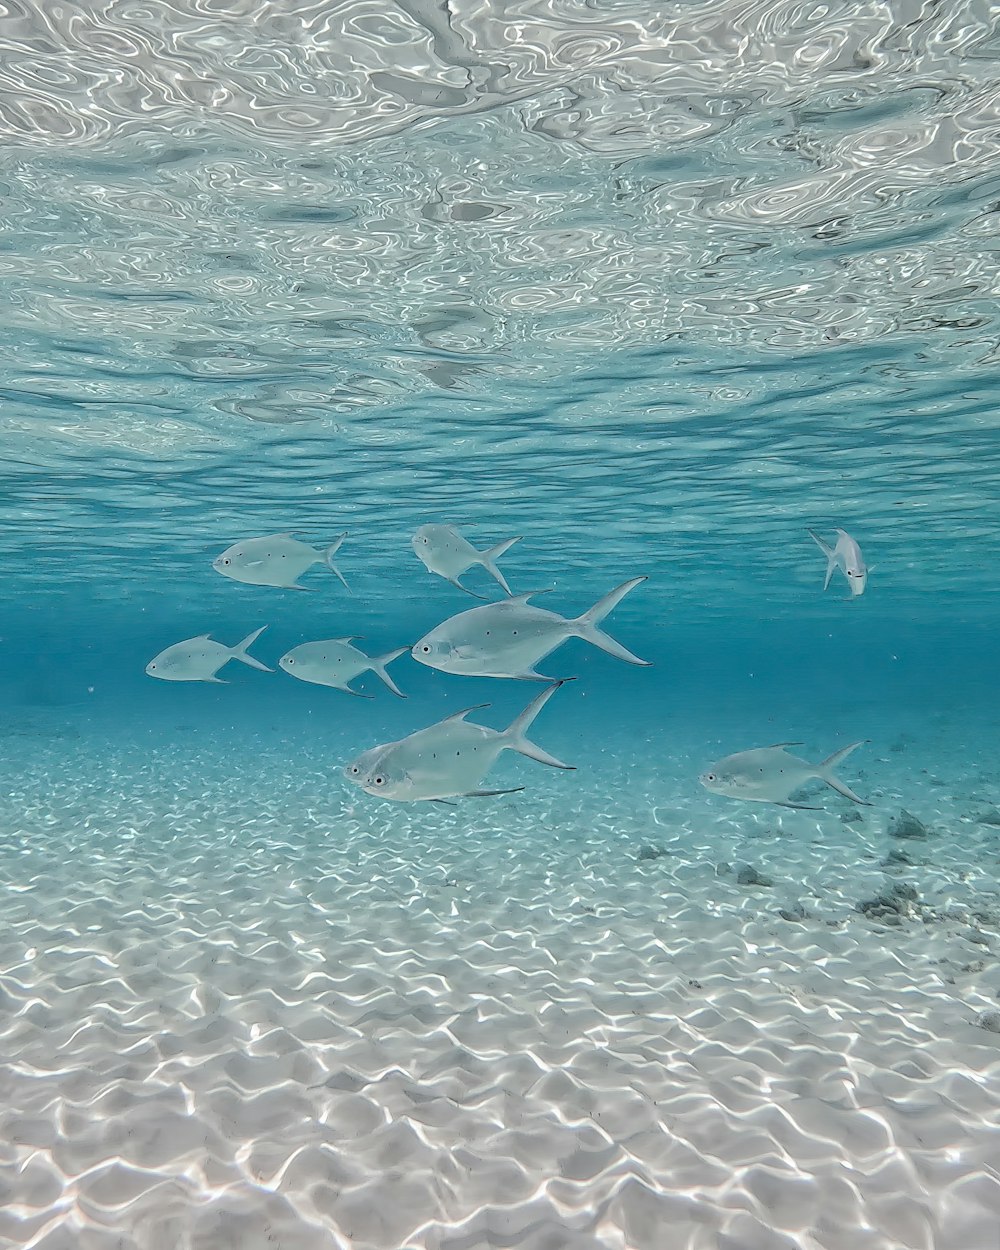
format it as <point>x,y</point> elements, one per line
<point>671,286</point>
<point>657,292</point>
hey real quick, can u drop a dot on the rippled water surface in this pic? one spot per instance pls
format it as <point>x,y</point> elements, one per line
<point>657,287</point>
<point>682,280</point>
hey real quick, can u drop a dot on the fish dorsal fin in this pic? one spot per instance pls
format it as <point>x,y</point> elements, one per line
<point>348,638</point>
<point>781,746</point>
<point>456,716</point>
<point>528,594</point>
<point>202,638</point>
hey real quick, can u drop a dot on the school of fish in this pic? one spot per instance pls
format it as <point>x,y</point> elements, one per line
<point>505,639</point>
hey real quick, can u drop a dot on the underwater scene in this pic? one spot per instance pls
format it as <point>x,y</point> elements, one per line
<point>498,654</point>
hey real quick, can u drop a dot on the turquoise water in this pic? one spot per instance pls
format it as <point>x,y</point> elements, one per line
<point>659,293</point>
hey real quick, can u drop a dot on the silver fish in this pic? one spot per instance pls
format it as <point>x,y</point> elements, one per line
<point>847,557</point>
<point>334,662</point>
<point>443,550</point>
<point>771,775</point>
<point>199,659</point>
<point>448,760</point>
<point>275,560</point>
<point>507,639</point>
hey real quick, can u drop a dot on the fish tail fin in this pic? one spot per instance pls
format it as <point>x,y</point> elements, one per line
<point>515,738</point>
<point>586,626</point>
<point>487,558</point>
<point>831,559</point>
<point>328,555</point>
<point>240,651</point>
<point>825,771</point>
<point>378,663</point>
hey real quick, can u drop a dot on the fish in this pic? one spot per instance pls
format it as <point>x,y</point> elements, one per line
<point>449,759</point>
<point>772,775</point>
<point>443,550</point>
<point>334,662</point>
<point>199,659</point>
<point>507,639</point>
<point>848,558</point>
<point>276,560</point>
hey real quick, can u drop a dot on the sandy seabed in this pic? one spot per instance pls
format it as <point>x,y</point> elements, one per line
<point>242,1006</point>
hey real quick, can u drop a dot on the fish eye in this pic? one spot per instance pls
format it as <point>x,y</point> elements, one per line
<point>291,661</point>
<point>380,781</point>
<point>425,649</point>
<point>355,769</point>
<point>226,561</point>
<point>711,777</point>
<point>152,666</point>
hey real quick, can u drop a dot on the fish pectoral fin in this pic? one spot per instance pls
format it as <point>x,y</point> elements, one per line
<point>296,586</point>
<point>798,807</point>
<point>490,794</point>
<point>533,676</point>
<point>357,693</point>
<point>443,802</point>
<point>780,746</point>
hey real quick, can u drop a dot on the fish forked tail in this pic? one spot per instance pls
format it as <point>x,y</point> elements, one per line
<point>486,559</point>
<point>586,626</point>
<point>515,737</point>
<point>240,652</point>
<point>825,772</point>
<point>831,559</point>
<point>378,663</point>
<point>328,555</point>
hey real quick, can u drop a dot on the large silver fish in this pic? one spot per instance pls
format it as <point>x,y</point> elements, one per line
<point>507,639</point>
<point>771,775</point>
<point>448,760</point>
<point>334,662</point>
<point>275,560</point>
<point>199,659</point>
<point>443,550</point>
<point>847,557</point>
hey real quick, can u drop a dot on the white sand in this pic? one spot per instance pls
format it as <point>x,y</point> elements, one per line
<point>235,1014</point>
